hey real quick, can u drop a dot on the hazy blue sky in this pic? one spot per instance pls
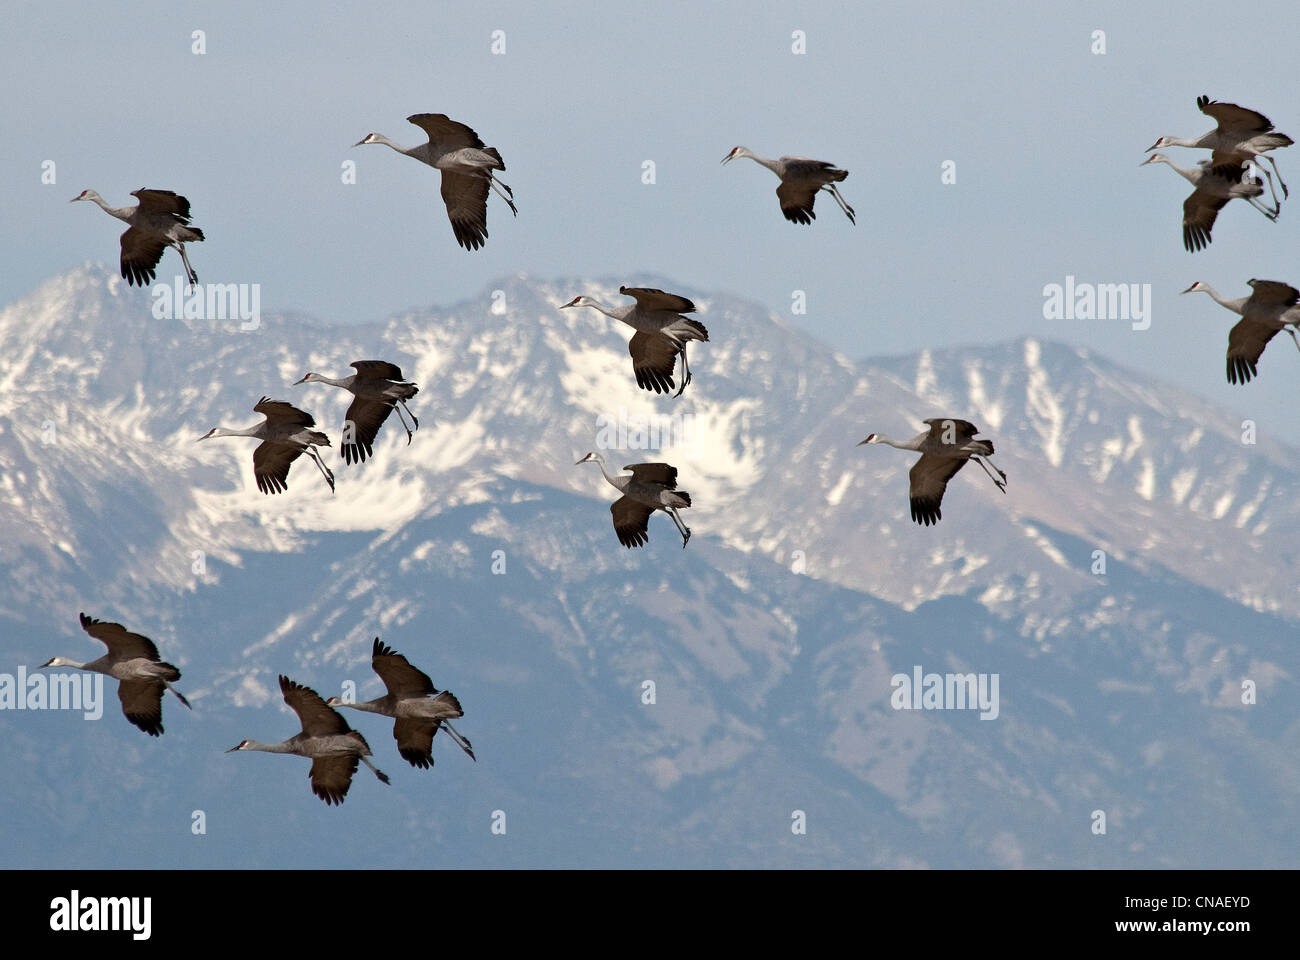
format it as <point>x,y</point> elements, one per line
<point>1046,136</point>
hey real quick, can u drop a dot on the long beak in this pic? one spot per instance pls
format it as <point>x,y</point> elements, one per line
<point>1146,161</point>
<point>359,142</point>
<point>860,443</point>
<point>583,460</point>
<point>728,157</point>
<point>1152,147</point>
<point>204,437</point>
<point>233,749</point>
<point>296,382</point>
<point>1189,289</point>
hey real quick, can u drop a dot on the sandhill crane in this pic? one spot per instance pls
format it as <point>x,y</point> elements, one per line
<point>1270,307</point>
<point>418,708</point>
<point>801,178</point>
<point>944,449</point>
<point>378,388</point>
<point>1241,136</point>
<point>333,747</point>
<point>651,487</point>
<point>285,434</point>
<point>1212,193</point>
<point>133,661</point>
<point>466,166</point>
<point>159,221</point>
<point>661,334</point>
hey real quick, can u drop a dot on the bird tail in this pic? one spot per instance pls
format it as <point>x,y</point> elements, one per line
<point>449,699</point>
<point>198,235</point>
<point>496,155</point>
<point>167,672</point>
<point>1270,141</point>
<point>840,175</point>
<point>697,327</point>
<point>319,438</point>
<point>988,448</point>
<point>681,495</point>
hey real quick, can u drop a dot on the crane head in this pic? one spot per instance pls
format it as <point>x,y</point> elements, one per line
<point>53,662</point>
<point>305,379</point>
<point>591,456</point>
<point>1161,143</point>
<point>84,195</point>
<point>209,434</point>
<point>575,302</point>
<point>368,138</point>
<point>735,152</point>
<point>1154,158</point>
<point>242,745</point>
<point>871,438</point>
<point>334,702</point>
<point>1196,286</point>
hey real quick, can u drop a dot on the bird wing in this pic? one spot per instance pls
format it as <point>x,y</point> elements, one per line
<point>445,133</point>
<point>278,411</point>
<point>1233,119</point>
<point>929,478</point>
<point>466,201</point>
<point>1246,342</point>
<point>963,429</point>
<point>1200,210</point>
<point>141,253</point>
<point>271,465</point>
<point>415,740</point>
<point>401,679</point>
<point>631,521</point>
<point>318,719</point>
<point>120,641</point>
<point>163,201</point>
<point>1271,293</point>
<point>659,473</point>
<point>797,200</point>
<point>376,370</point>
<point>653,359</point>
<point>332,776</point>
<point>142,704</point>
<point>367,415</point>
<point>651,298</point>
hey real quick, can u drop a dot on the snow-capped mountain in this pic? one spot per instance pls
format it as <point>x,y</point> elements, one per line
<point>1139,569</point>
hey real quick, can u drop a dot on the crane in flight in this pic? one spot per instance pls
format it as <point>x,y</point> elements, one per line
<point>651,487</point>
<point>160,220</point>
<point>326,739</point>
<point>944,449</point>
<point>801,179</point>
<point>1211,193</point>
<point>662,333</point>
<point>134,662</point>
<point>1270,308</point>
<point>466,164</point>
<point>377,389</point>
<point>286,435</point>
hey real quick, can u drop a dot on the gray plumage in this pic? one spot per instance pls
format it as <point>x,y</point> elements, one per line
<point>1211,193</point>
<point>377,388</point>
<point>159,221</point>
<point>650,487</point>
<point>801,180</point>
<point>286,435</point>
<point>1271,307</point>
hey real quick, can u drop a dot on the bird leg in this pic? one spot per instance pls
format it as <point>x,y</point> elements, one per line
<point>1277,204</point>
<point>848,211</point>
<point>411,415</point>
<point>459,740</point>
<point>1001,484</point>
<point>1271,214</point>
<point>1293,336</point>
<point>682,528</point>
<point>492,182</point>
<point>686,373</point>
<point>402,420</point>
<point>179,695</point>
<point>189,271</point>
<point>383,777</point>
<point>1285,192</point>
<point>324,470</point>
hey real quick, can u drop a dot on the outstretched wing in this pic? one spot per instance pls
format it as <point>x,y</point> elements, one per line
<point>141,253</point>
<point>929,478</point>
<point>962,429</point>
<point>653,359</point>
<point>1200,210</point>
<point>1272,293</point>
<point>367,415</point>
<point>445,133</point>
<point>120,641</point>
<point>279,412</point>
<point>1246,343</point>
<point>660,473</point>
<point>651,298</point>
<point>376,370</point>
<point>142,704</point>
<point>466,201</point>
<point>1235,120</point>
<point>631,522</point>
<point>271,465</point>
<point>401,679</point>
<point>163,202</point>
<point>318,719</point>
<point>415,740</point>
<point>796,200</point>
<point>332,776</point>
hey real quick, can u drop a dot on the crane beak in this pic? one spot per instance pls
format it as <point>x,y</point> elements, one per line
<point>1190,289</point>
<point>234,748</point>
<point>305,376</point>
<point>1152,147</point>
<point>730,156</point>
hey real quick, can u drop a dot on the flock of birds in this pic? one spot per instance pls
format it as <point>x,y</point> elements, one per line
<point>662,331</point>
